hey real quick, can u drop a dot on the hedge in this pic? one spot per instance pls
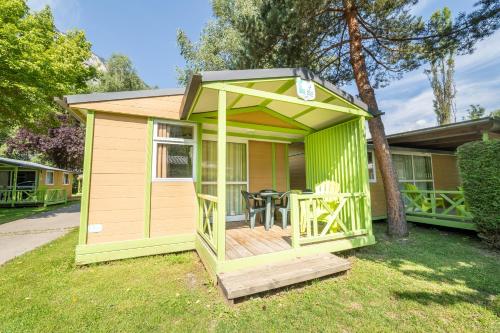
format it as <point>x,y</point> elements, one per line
<point>479,166</point>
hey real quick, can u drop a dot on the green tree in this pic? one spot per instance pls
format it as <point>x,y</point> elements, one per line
<point>475,111</point>
<point>441,73</point>
<point>119,76</point>
<point>370,42</point>
<point>37,63</point>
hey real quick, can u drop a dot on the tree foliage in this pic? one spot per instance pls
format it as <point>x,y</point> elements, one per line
<point>478,164</point>
<point>119,76</point>
<point>441,73</point>
<point>313,34</point>
<point>37,62</point>
<point>61,146</point>
<point>475,111</point>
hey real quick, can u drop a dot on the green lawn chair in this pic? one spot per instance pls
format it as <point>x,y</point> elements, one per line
<point>332,200</point>
<point>423,203</point>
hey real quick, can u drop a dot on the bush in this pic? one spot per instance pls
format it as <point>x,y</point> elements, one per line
<point>479,165</point>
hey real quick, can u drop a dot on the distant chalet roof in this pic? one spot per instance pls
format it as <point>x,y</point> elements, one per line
<point>26,164</point>
<point>447,137</point>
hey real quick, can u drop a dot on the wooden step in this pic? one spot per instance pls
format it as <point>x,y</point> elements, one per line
<point>284,273</point>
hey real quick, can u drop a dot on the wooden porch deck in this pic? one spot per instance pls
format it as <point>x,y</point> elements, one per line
<point>241,241</point>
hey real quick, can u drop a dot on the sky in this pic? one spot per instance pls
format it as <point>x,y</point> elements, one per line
<point>145,31</point>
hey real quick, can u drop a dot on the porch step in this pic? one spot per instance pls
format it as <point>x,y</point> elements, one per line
<point>285,273</point>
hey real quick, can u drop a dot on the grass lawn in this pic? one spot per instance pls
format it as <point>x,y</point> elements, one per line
<point>12,214</point>
<point>436,281</point>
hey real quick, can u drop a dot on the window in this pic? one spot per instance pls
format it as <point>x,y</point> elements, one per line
<point>236,175</point>
<point>174,146</point>
<point>49,178</point>
<point>414,169</point>
<point>371,168</point>
<point>65,178</point>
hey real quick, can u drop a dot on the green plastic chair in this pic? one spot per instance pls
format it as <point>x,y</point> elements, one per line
<point>424,203</point>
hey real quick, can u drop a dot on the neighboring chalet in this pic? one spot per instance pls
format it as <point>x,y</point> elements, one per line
<point>28,183</point>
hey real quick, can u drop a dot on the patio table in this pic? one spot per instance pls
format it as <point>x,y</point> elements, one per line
<point>269,195</point>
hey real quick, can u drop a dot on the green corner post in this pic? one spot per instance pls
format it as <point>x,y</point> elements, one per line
<point>148,180</point>
<point>14,187</point>
<point>221,176</point>
<point>87,164</point>
<point>273,158</point>
<point>287,168</point>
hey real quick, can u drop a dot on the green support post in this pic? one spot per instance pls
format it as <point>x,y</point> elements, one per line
<point>273,162</point>
<point>287,168</point>
<point>295,220</point>
<point>87,164</point>
<point>221,176</point>
<point>14,187</point>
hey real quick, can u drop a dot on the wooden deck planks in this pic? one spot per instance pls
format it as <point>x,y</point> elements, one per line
<point>267,277</point>
<point>241,241</point>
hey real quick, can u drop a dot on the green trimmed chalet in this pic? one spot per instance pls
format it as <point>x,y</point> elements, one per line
<point>206,168</point>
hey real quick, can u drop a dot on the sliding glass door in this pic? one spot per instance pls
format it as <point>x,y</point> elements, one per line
<point>236,175</point>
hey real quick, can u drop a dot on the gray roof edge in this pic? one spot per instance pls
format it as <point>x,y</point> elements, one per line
<point>28,164</point>
<point>249,74</point>
<point>480,121</point>
<point>109,96</point>
<point>304,73</point>
<point>395,148</point>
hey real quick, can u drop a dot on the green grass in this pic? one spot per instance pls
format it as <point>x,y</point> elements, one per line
<point>435,281</point>
<point>12,214</point>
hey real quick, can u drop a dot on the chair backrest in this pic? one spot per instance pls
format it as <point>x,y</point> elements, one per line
<point>410,187</point>
<point>246,196</point>
<point>327,187</point>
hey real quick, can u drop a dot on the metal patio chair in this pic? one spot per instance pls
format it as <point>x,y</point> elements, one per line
<point>251,210</point>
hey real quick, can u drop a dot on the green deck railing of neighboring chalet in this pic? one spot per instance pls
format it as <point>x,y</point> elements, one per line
<point>25,197</point>
<point>318,218</point>
<point>444,208</point>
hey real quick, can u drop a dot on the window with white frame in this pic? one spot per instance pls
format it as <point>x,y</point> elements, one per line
<point>49,178</point>
<point>65,178</point>
<point>372,172</point>
<point>414,169</point>
<point>174,147</point>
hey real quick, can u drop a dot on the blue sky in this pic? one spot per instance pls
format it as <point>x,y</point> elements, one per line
<point>145,31</point>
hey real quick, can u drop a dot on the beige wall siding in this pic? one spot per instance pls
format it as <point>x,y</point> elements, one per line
<point>117,183</point>
<point>445,172</point>
<point>173,208</point>
<point>260,162</point>
<point>259,165</point>
<point>281,171</point>
<point>161,107</point>
<point>58,181</point>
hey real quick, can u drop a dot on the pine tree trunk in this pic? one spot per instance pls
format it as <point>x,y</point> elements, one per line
<point>396,219</point>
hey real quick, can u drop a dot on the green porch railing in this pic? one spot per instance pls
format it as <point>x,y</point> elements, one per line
<point>207,220</point>
<point>323,217</point>
<point>54,196</point>
<point>22,197</point>
<point>447,208</point>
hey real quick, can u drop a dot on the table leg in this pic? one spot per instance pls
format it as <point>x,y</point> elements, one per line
<point>268,212</point>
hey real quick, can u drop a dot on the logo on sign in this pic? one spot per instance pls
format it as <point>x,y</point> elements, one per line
<point>305,89</point>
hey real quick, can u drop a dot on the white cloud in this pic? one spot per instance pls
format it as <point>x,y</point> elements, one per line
<point>408,102</point>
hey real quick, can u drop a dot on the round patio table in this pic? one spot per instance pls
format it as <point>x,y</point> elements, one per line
<point>268,196</point>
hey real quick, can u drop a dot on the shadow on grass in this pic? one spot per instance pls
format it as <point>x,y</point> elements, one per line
<point>451,258</point>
